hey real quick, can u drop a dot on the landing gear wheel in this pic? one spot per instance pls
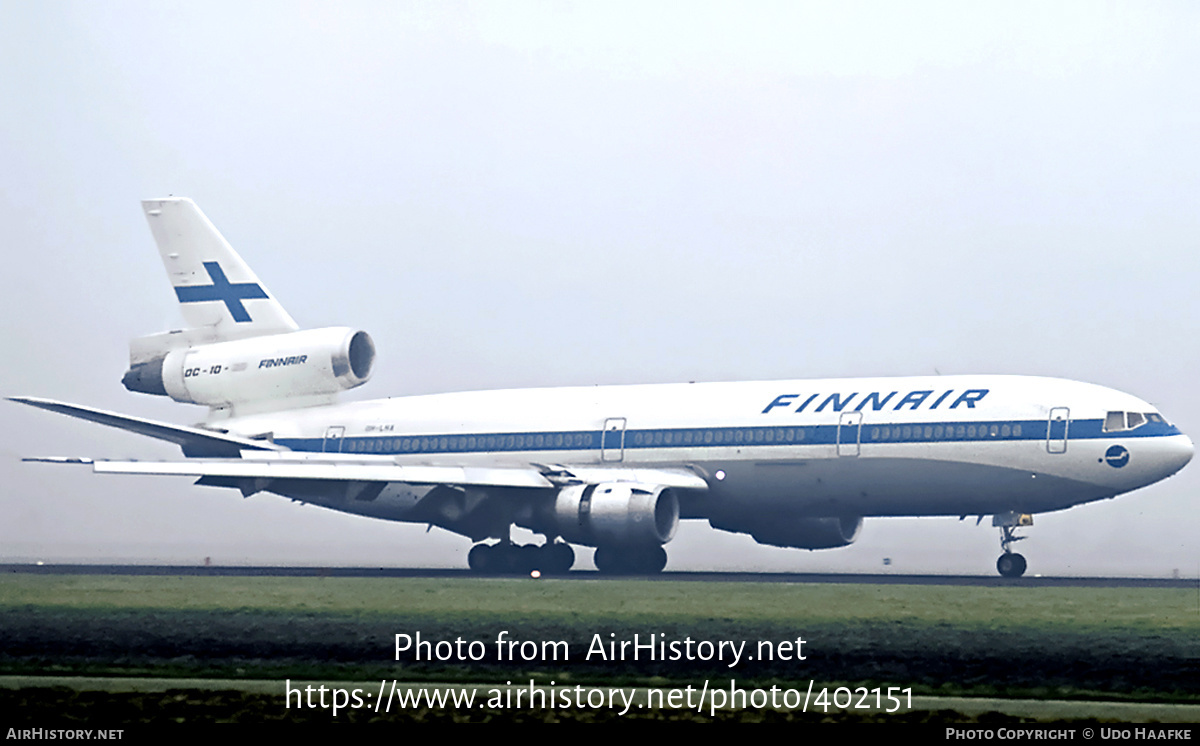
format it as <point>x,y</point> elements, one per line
<point>608,561</point>
<point>509,558</point>
<point>483,558</point>
<point>631,560</point>
<point>498,559</point>
<point>557,558</point>
<point>1011,565</point>
<point>649,561</point>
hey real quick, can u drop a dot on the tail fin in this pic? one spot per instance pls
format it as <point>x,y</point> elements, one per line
<point>241,352</point>
<point>221,297</point>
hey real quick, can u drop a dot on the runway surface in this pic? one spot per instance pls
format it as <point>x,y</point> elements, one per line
<point>586,575</point>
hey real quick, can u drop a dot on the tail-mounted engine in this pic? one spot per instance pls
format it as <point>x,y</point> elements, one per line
<point>616,513</point>
<point>313,363</point>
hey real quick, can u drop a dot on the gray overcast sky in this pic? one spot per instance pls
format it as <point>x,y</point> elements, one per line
<point>535,194</point>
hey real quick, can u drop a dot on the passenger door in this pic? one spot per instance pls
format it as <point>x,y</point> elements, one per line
<point>1056,429</point>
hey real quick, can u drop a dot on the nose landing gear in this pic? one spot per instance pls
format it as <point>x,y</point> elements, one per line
<point>1011,564</point>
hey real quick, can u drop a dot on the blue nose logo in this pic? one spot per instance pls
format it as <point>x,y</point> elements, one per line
<point>1116,456</point>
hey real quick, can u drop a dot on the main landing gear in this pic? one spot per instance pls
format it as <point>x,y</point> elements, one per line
<point>552,558</point>
<point>1011,564</point>
<point>618,560</point>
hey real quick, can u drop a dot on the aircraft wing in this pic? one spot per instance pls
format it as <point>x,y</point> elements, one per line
<point>337,467</point>
<point>221,455</point>
<point>332,471</point>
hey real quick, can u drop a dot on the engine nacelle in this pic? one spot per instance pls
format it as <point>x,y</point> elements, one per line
<point>309,363</point>
<point>616,513</point>
<point>800,533</point>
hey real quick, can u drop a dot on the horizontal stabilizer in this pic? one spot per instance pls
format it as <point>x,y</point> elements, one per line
<point>194,441</point>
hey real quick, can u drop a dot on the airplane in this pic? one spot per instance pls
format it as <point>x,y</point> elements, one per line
<point>792,463</point>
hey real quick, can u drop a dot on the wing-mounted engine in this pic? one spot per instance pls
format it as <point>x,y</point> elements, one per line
<point>800,533</point>
<point>299,368</point>
<point>616,514</point>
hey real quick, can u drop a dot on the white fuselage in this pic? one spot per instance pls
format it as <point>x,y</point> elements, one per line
<point>945,445</point>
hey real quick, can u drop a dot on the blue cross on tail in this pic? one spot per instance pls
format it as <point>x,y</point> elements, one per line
<point>230,294</point>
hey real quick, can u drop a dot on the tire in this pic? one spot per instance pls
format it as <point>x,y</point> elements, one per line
<point>1011,565</point>
<point>558,558</point>
<point>482,558</point>
<point>609,561</point>
<point>623,560</point>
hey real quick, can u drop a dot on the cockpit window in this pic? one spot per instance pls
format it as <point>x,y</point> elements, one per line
<point>1114,421</point>
<point>1118,421</point>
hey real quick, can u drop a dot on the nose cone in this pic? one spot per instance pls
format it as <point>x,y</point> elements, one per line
<point>1176,453</point>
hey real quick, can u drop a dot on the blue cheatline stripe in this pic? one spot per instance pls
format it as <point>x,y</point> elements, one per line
<point>726,437</point>
<point>231,294</point>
